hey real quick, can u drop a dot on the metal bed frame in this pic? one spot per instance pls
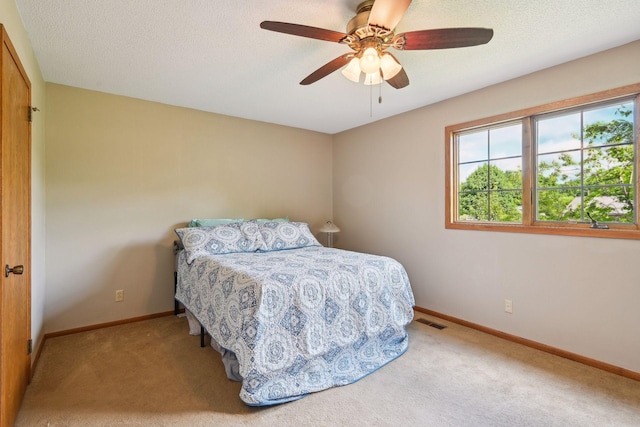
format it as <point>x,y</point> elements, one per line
<point>177,247</point>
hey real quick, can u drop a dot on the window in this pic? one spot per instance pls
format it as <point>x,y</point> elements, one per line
<point>565,168</point>
<point>490,174</point>
<point>585,164</point>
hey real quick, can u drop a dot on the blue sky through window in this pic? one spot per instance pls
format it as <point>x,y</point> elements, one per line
<point>562,133</point>
<point>502,146</point>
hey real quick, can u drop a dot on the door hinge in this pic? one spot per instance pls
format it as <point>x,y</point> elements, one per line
<point>30,346</point>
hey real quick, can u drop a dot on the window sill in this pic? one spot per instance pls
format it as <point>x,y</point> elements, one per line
<point>577,230</point>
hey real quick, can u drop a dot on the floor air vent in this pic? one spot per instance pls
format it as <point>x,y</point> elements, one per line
<point>430,323</point>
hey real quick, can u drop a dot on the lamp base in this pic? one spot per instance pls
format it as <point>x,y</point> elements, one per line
<point>329,240</point>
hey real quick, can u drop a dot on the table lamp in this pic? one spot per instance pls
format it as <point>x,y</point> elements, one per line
<point>329,228</point>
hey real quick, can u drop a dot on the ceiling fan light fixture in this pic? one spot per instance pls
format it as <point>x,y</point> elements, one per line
<point>370,33</point>
<point>353,71</point>
<point>370,61</point>
<point>373,78</point>
<point>389,66</point>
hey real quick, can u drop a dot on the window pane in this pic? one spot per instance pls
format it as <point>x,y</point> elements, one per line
<point>611,124</point>
<point>481,171</point>
<point>610,204</point>
<point>506,173</point>
<point>502,204</point>
<point>473,206</point>
<point>558,133</point>
<point>602,170</point>
<point>505,206</point>
<point>506,141</point>
<point>608,165</point>
<point>559,169</point>
<point>467,172</point>
<point>559,205</point>
<point>473,146</point>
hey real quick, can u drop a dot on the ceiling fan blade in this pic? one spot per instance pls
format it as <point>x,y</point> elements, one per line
<point>327,69</point>
<point>444,38</point>
<point>400,80</point>
<point>303,31</point>
<point>387,13</point>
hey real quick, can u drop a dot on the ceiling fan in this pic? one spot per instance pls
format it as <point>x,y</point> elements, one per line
<point>370,33</point>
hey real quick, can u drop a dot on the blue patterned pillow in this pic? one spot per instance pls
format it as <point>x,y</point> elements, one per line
<point>221,239</point>
<point>286,235</point>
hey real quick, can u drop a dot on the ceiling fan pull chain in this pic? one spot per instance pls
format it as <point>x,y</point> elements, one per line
<point>380,86</point>
<point>370,100</point>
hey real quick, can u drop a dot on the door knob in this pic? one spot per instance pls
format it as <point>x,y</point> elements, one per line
<point>18,269</point>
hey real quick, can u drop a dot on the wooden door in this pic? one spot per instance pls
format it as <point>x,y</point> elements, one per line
<point>15,232</point>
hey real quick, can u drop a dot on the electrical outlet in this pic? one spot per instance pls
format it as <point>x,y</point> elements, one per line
<point>508,306</point>
<point>120,295</point>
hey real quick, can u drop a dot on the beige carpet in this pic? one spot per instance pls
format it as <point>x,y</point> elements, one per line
<point>152,373</point>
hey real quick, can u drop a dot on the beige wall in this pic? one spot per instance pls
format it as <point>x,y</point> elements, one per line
<point>10,18</point>
<point>577,294</point>
<point>123,173</point>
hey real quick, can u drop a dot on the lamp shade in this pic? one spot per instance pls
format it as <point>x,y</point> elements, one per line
<point>370,60</point>
<point>329,227</point>
<point>389,66</point>
<point>352,71</point>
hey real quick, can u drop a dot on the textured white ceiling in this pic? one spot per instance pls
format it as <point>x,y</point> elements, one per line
<point>211,55</point>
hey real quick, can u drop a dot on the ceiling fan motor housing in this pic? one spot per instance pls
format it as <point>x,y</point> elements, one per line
<point>360,32</point>
<point>361,20</point>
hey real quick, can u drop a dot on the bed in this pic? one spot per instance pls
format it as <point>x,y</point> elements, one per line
<point>289,316</point>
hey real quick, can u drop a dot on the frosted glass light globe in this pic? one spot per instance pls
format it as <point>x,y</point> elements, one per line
<point>389,66</point>
<point>370,61</point>
<point>352,71</point>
